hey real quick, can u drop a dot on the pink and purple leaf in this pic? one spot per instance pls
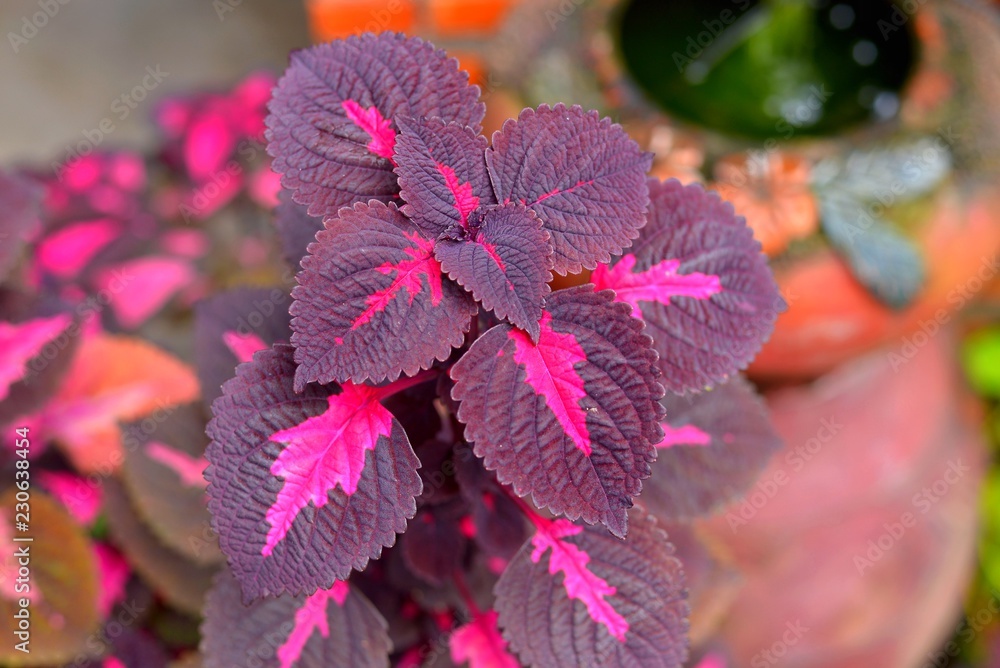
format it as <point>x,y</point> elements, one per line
<point>573,419</point>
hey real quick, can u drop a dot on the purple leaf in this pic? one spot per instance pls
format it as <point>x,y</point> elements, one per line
<point>433,545</point>
<point>716,445</point>
<point>504,259</point>
<point>372,302</point>
<point>296,228</point>
<point>20,205</point>
<point>230,326</point>
<point>333,628</point>
<point>700,282</point>
<point>305,487</point>
<point>573,419</point>
<point>583,176</point>
<point>442,174</point>
<point>332,123</point>
<point>576,596</point>
<point>499,523</point>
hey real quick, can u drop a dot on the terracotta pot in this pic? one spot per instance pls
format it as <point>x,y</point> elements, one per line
<point>862,532</point>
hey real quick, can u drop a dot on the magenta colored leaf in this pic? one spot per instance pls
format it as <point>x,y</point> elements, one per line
<point>372,302</point>
<point>716,445</point>
<point>332,628</point>
<point>686,435</point>
<point>139,288</point>
<point>189,470</point>
<point>480,644</point>
<point>699,280</point>
<point>332,126</point>
<point>243,345</point>
<point>323,453</point>
<point>583,176</point>
<point>442,174</point>
<point>20,204</point>
<point>22,342</point>
<point>304,487</point>
<point>580,582</point>
<point>659,284</point>
<point>229,325</point>
<point>503,257</point>
<point>114,574</point>
<point>81,497</point>
<point>68,250</point>
<point>577,596</point>
<point>34,356</point>
<point>573,419</point>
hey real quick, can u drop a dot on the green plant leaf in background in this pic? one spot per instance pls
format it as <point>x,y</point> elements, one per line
<point>981,359</point>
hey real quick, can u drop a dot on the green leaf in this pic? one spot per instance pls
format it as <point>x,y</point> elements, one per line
<point>981,359</point>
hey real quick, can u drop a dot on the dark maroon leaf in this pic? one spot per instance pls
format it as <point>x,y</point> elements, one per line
<point>498,522</point>
<point>576,596</point>
<point>305,487</point>
<point>335,628</point>
<point>296,228</point>
<point>437,471</point>
<point>442,174</point>
<point>332,123</point>
<point>698,279</point>
<point>20,205</point>
<point>181,582</point>
<point>716,444</point>
<point>230,326</point>
<point>583,176</point>
<point>372,302</point>
<point>504,259</point>
<point>128,648</point>
<point>164,475</point>
<point>573,419</point>
<point>433,546</point>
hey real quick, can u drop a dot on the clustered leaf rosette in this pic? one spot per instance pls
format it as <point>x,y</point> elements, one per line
<point>429,232</point>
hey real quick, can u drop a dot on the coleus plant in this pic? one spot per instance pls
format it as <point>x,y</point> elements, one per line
<point>423,316</point>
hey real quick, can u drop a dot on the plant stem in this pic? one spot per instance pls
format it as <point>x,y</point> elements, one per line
<point>398,386</point>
